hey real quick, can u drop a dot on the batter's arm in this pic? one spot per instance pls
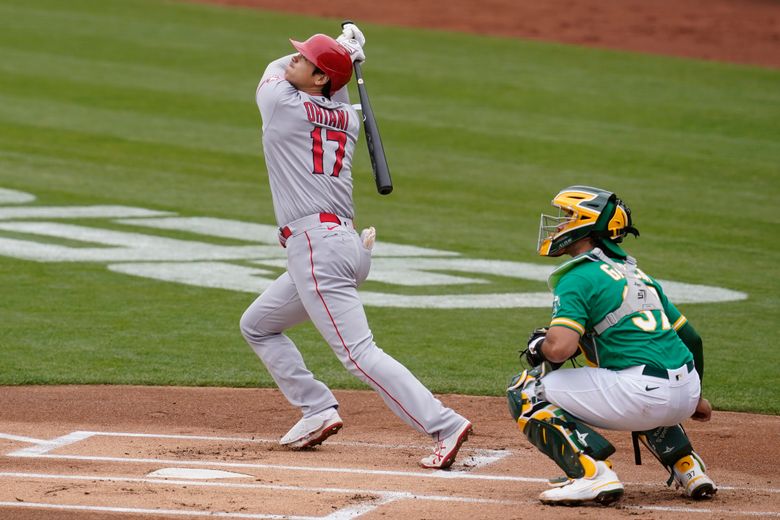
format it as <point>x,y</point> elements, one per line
<point>277,67</point>
<point>341,95</point>
<point>272,88</point>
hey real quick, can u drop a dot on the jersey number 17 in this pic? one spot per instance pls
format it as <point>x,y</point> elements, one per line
<point>318,150</point>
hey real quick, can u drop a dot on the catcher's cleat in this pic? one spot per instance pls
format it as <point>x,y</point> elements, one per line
<point>311,431</point>
<point>689,475</point>
<point>602,488</point>
<point>445,451</point>
<point>557,482</point>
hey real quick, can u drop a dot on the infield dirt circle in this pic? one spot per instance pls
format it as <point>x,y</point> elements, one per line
<point>123,452</point>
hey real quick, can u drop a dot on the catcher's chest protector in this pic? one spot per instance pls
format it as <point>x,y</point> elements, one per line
<point>639,297</point>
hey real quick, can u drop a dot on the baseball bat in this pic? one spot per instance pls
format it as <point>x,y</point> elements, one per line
<point>384,184</point>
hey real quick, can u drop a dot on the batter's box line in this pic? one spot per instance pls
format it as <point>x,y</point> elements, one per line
<point>479,457</point>
<point>383,497</point>
<point>43,446</point>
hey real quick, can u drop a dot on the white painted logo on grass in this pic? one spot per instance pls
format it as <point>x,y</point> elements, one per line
<point>249,258</point>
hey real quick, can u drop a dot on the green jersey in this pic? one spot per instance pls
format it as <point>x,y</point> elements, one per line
<point>587,289</point>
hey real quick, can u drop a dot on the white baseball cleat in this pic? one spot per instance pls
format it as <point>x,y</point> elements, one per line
<point>445,450</point>
<point>311,431</point>
<point>603,488</point>
<point>689,475</point>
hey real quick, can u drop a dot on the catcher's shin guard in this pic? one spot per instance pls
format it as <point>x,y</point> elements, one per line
<point>689,474</point>
<point>668,444</point>
<point>574,446</point>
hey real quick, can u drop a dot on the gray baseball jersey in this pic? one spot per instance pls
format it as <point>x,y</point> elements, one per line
<point>308,142</point>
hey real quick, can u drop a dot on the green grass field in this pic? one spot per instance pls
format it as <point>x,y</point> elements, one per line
<point>151,104</point>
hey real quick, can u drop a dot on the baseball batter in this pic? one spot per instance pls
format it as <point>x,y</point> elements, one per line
<point>644,359</point>
<point>309,136</point>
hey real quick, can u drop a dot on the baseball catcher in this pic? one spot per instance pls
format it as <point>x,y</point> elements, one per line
<point>643,360</point>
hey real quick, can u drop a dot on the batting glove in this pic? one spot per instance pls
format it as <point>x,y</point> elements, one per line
<point>353,47</point>
<point>350,31</point>
<point>368,236</point>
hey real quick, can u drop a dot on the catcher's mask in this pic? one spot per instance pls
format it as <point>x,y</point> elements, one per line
<point>328,56</point>
<point>585,212</point>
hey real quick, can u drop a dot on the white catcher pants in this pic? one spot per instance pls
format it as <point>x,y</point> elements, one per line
<point>623,400</point>
<point>325,266</point>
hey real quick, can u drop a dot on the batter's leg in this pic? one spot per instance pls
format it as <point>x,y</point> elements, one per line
<point>277,309</point>
<point>324,267</point>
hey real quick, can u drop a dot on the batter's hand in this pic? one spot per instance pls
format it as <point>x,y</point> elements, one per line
<point>368,236</point>
<point>703,411</point>
<point>282,239</point>
<point>353,47</point>
<point>350,31</point>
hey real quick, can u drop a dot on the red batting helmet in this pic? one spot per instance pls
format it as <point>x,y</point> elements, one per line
<point>329,56</point>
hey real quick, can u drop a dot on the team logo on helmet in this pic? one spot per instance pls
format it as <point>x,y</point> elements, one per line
<point>585,211</point>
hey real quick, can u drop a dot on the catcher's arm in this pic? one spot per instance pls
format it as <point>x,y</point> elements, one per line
<point>552,345</point>
<point>693,341</point>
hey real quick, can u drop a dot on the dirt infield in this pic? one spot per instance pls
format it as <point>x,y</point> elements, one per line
<point>77,452</point>
<point>740,31</point>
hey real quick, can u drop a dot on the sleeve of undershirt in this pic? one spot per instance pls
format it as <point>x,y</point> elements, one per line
<point>684,330</point>
<point>693,341</point>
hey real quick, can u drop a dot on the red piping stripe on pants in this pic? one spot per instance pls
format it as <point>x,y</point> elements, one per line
<point>343,343</point>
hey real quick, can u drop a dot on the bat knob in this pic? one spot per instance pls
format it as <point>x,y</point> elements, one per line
<point>345,22</point>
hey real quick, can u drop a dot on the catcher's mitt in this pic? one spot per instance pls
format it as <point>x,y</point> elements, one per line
<point>532,353</point>
<point>533,356</point>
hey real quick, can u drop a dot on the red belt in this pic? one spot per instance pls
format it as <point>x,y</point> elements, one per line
<point>286,232</point>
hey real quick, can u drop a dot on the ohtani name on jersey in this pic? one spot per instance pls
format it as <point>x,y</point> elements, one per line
<point>334,118</point>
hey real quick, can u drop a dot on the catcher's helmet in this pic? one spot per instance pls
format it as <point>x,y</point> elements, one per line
<point>329,56</point>
<point>585,212</point>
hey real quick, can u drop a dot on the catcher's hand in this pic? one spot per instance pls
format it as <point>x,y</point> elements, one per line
<point>532,352</point>
<point>703,411</point>
<point>533,355</point>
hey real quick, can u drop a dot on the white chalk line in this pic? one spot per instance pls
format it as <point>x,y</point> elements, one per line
<point>331,441</point>
<point>480,456</point>
<point>42,447</point>
<point>308,469</point>
<point>442,474</point>
<point>707,511</point>
<point>48,445</point>
<point>21,438</point>
<point>351,512</point>
<point>491,455</point>
<point>139,511</point>
<point>385,497</point>
<point>354,511</point>
<point>244,485</point>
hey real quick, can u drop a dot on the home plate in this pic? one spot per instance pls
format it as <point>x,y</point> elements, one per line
<point>195,473</point>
